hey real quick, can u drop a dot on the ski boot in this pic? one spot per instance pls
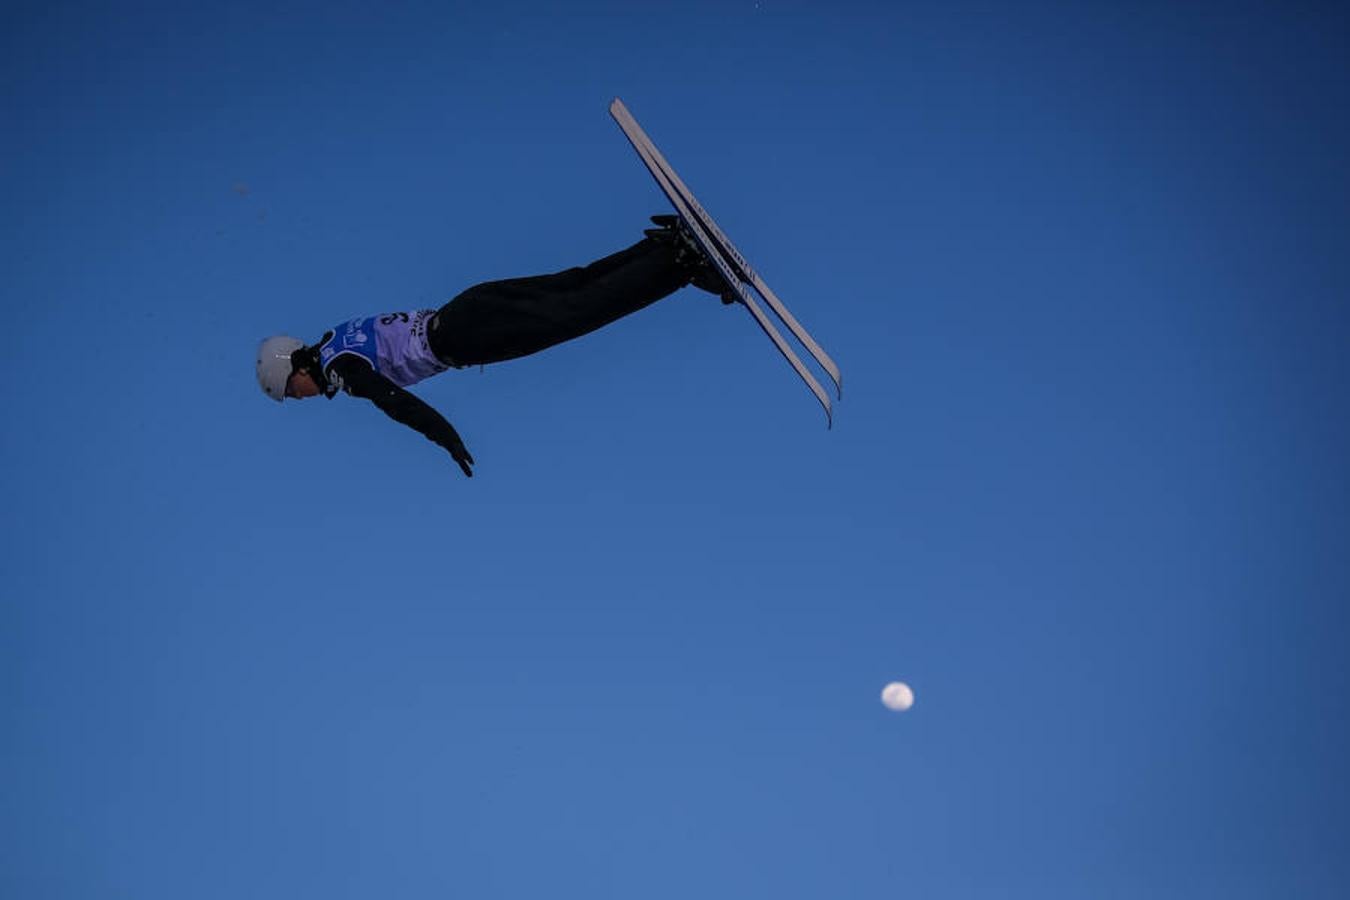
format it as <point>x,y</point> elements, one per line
<point>702,273</point>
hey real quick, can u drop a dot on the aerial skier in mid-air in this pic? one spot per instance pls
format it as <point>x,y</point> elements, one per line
<point>376,357</point>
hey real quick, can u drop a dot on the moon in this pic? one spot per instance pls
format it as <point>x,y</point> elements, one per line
<point>897,696</point>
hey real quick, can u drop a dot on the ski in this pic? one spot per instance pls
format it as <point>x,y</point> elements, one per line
<point>634,130</point>
<point>730,263</point>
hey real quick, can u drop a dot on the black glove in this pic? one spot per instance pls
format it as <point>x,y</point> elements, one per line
<point>460,454</point>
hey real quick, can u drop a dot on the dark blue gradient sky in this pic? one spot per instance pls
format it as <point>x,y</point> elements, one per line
<point>1084,268</point>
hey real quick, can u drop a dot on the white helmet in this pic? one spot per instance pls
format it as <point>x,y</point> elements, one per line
<point>274,364</point>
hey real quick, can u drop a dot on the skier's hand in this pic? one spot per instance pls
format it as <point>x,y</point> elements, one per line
<point>458,451</point>
<point>461,455</point>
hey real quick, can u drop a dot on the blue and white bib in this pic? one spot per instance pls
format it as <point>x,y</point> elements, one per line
<point>395,344</point>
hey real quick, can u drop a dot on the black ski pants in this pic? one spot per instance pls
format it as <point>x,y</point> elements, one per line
<point>500,320</point>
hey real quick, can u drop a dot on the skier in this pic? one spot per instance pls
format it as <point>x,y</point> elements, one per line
<point>376,357</point>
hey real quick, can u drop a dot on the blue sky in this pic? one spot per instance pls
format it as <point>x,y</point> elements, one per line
<point>1083,267</point>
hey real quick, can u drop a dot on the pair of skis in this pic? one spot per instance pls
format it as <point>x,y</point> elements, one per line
<point>730,263</point>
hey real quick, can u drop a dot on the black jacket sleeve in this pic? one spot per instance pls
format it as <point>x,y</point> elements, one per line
<point>358,378</point>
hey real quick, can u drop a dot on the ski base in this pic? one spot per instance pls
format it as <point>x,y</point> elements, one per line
<point>730,263</point>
